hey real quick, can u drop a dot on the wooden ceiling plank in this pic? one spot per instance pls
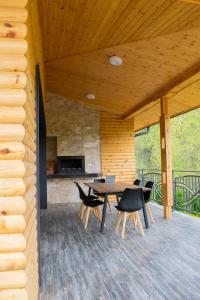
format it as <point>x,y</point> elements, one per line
<point>153,13</point>
<point>124,22</point>
<point>190,1</point>
<point>169,86</point>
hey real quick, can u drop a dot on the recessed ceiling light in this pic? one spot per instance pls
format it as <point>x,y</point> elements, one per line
<point>90,96</point>
<point>116,60</point>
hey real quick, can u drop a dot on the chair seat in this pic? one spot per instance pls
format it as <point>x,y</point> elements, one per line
<point>91,197</point>
<point>94,203</point>
<point>127,210</point>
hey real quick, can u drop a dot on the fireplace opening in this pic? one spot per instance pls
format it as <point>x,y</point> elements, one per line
<point>70,164</point>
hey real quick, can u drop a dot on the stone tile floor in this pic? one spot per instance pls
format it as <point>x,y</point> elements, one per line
<point>87,265</point>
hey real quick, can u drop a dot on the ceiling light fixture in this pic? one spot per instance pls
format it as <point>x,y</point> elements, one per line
<point>90,96</point>
<point>116,60</point>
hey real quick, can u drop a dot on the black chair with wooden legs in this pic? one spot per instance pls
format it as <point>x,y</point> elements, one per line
<point>131,202</point>
<point>88,204</point>
<point>136,182</point>
<point>147,194</point>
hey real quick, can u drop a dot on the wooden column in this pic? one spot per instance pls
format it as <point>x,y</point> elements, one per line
<point>166,160</point>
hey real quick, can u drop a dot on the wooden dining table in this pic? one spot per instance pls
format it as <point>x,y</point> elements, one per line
<point>117,188</point>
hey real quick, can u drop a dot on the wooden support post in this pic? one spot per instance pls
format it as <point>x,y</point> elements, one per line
<point>166,159</point>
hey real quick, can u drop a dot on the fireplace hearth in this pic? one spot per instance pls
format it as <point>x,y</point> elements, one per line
<point>70,164</point>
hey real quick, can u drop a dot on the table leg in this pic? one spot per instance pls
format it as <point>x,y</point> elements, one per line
<point>145,217</point>
<point>89,192</point>
<point>104,213</point>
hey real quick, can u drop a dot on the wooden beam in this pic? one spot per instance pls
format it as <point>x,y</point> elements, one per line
<point>164,90</point>
<point>166,159</point>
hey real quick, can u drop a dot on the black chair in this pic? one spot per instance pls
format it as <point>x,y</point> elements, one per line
<point>147,194</point>
<point>131,202</point>
<point>88,203</point>
<point>137,182</point>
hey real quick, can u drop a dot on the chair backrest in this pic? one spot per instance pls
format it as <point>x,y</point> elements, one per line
<point>137,182</point>
<point>131,200</point>
<point>147,194</point>
<point>82,195</point>
<point>110,179</point>
<point>100,180</point>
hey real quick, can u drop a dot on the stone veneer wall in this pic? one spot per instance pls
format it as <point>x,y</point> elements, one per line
<point>77,129</point>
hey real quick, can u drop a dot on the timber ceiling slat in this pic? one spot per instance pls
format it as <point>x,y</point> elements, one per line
<point>157,39</point>
<point>149,66</point>
<point>84,25</point>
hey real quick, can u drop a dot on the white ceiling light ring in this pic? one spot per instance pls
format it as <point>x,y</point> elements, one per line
<point>115,60</point>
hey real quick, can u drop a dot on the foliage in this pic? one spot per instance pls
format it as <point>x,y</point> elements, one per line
<point>185,133</point>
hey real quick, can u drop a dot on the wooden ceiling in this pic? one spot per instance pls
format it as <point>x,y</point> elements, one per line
<point>157,39</point>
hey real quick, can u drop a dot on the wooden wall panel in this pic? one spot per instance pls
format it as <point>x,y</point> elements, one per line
<point>19,54</point>
<point>117,147</point>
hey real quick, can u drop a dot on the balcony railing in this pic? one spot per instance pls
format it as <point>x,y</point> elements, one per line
<point>186,188</point>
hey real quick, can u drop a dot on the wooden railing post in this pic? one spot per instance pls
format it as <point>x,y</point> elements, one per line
<point>166,159</point>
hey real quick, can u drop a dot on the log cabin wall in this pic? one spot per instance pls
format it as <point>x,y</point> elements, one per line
<point>20,51</point>
<point>117,147</point>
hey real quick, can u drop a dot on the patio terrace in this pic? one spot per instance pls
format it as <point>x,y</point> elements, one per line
<point>78,264</point>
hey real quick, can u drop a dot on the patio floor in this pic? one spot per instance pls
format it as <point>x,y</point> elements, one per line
<point>87,265</point>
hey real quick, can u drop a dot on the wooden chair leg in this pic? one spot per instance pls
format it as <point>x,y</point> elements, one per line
<point>99,215</point>
<point>87,216</point>
<point>120,216</point>
<point>150,213</point>
<point>139,223</point>
<point>133,217</point>
<point>83,212</point>
<point>124,225</point>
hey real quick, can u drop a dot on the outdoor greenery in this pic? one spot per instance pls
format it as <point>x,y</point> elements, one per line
<point>185,138</point>
<point>185,133</point>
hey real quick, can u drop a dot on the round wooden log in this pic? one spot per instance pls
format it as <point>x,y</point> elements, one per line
<point>12,280</point>
<point>12,169</point>
<point>12,14</point>
<point>12,97</point>
<point>12,46</point>
<point>29,155</point>
<point>15,80</point>
<point>15,150</point>
<point>12,243</point>
<point>29,210</point>
<point>12,187</point>
<point>14,3</point>
<point>12,205</point>
<point>30,226</point>
<point>29,141</point>
<point>30,126</point>
<point>12,30</point>
<point>29,181</point>
<point>30,195</point>
<point>13,133</point>
<point>12,115</point>
<point>13,294</point>
<point>13,62</point>
<point>16,169</point>
<point>12,261</point>
<point>12,224</point>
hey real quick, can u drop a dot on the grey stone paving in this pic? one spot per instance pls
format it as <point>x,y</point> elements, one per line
<point>87,265</point>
